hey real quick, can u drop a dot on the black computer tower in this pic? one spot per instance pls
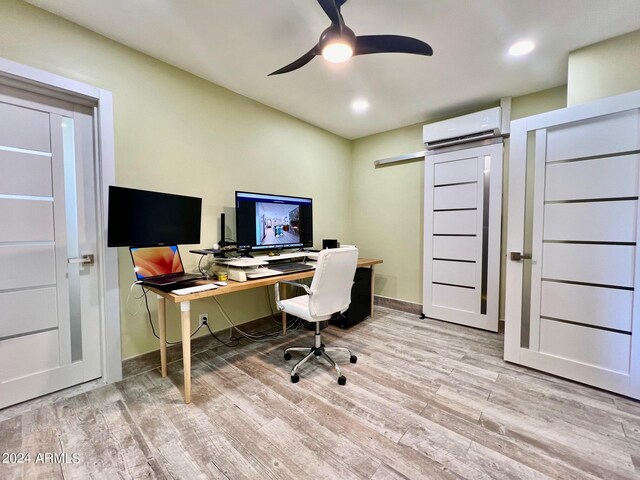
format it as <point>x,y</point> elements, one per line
<point>360,307</point>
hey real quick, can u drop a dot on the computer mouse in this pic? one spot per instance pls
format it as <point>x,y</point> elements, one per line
<point>222,284</point>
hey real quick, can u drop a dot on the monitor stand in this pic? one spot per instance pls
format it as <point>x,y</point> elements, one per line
<point>245,253</point>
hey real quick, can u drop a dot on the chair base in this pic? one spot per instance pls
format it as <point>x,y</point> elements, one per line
<point>320,351</point>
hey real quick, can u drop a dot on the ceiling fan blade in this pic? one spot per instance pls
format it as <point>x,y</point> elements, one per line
<point>332,9</point>
<point>367,44</point>
<point>301,62</point>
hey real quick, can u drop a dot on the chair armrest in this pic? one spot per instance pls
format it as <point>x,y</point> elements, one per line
<point>276,288</point>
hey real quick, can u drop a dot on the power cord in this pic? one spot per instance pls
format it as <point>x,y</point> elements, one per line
<point>146,303</point>
<point>153,329</point>
<point>200,267</point>
<point>234,341</point>
<point>273,315</point>
<point>133,314</point>
<point>255,338</point>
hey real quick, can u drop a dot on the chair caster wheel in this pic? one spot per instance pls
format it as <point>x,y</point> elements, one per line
<point>295,378</point>
<point>342,380</point>
<point>287,356</point>
<point>353,359</point>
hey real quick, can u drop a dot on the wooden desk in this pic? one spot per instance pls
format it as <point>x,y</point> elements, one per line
<point>185,312</point>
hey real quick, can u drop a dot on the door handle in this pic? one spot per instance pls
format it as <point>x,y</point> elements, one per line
<point>88,259</point>
<point>517,256</point>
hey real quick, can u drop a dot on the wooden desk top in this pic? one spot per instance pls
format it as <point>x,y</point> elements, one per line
<point>234,286</point>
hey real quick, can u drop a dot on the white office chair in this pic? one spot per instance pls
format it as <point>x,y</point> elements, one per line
<point>330,293</point>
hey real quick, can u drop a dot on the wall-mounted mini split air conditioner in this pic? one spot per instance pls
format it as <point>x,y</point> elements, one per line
<point>464,129</point>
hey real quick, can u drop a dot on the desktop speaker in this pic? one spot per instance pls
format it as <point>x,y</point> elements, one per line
<point>328,243</point>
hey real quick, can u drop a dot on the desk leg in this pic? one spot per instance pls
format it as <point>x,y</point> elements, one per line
<point>373,284</point>
<point>162,326</point>
<point>283,295</point>
<point>185,317</point>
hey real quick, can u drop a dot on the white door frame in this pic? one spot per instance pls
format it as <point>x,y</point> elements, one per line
<point>39,81</point>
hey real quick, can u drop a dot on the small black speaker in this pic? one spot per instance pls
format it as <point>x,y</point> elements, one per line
<point>328,243</point>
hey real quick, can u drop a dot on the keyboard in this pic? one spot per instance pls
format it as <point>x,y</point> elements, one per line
<point>291,267</point>
<point>261,273</point>
<point>196,289</point>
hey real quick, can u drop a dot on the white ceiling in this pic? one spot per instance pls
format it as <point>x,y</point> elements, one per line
<point>237,43</point>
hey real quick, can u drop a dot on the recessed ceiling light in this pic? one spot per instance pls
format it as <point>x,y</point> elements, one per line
<point>521,48</point>
<point>359,106</point>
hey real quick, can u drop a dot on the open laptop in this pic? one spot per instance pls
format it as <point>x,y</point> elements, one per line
<point>159,266</point>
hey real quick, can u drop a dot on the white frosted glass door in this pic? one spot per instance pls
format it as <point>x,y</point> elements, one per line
<point>49,316</point>
<point>462,222</point>
<point>572,279</point>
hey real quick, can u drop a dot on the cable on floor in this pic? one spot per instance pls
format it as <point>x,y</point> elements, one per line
<point>146,302</point>
<point>259,337</point>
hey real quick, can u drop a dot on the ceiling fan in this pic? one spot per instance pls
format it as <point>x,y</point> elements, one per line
<point>338,43</point>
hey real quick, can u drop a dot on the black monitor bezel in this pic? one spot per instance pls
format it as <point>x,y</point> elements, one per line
<point>118,241</point>
<point>256,248</point>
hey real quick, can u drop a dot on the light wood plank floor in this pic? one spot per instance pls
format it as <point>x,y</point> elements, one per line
<point>426,400</point>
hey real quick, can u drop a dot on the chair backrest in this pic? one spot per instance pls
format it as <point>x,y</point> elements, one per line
<point>332,281</point>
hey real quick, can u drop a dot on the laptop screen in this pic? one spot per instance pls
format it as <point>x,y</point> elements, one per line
<point>154,261</point>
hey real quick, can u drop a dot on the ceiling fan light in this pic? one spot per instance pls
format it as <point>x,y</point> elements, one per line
<point>337,52</point>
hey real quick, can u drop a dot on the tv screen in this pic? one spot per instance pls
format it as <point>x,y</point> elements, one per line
<point>139,218</point>
<point>268,222</point>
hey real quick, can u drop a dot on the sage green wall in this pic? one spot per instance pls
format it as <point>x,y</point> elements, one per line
<point>388,202</point>
<point>178,133</point>
<point>604,69</point>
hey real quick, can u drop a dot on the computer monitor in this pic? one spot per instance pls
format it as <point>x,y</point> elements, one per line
<point>140,218</point>
<point>269,222</point>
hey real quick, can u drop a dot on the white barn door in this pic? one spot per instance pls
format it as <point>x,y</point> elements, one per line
<point>49,310</point>
<point>462,222</point>
<point>572,281</point>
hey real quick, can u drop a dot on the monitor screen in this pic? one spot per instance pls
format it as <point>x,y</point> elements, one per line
<point>266,222</point>
<point>139,218</point>
<point>155,261</point>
